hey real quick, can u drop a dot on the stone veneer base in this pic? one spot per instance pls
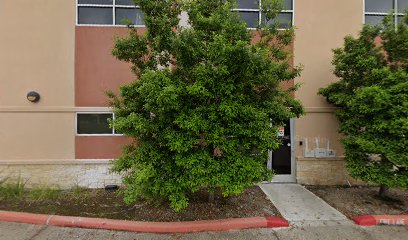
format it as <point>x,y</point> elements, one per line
<point>323,171</point>
<point>61,174</point>
<point>65,174</point>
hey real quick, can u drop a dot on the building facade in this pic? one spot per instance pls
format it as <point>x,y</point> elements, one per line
<point>61,49</point>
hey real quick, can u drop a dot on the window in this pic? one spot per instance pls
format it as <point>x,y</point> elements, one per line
<point>376,10</point>
<point>108,12</point>
<point>94,124</point>
<point>249,10</point>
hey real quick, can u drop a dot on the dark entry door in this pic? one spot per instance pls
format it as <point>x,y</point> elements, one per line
<point>282,157</point>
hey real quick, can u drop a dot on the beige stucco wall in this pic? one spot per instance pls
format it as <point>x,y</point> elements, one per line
<point>321,26</point>
<point>321,125</point>
<point>37,136</point>
<point>37,53</point>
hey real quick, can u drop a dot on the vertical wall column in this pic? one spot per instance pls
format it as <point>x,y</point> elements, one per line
<point>37,54</point>
<point>321,26</point>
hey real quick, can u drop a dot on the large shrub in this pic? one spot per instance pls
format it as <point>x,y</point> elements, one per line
<point>372,96</point>
<point>206,104</point>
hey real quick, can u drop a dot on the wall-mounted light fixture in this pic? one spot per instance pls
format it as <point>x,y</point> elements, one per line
<point>33,96</point>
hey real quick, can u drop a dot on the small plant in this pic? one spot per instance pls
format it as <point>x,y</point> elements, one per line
<point>43,193</point>
<point>12,190</point>
<point>78,192</point>
<point>3,180</point>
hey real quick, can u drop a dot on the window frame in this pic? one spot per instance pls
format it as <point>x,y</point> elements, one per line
<point>96,134</point>
<point>395,13</point>
<point>292,11</point>
<point>113,6</point>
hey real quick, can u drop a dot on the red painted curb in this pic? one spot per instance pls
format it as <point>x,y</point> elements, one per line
<point>365,220</point>
<point>373,220</point>
<point>276,222</point>
<point>31,218</point>
<point>138,226</point>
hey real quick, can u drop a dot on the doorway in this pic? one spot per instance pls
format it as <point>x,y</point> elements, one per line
<point>282,160</point>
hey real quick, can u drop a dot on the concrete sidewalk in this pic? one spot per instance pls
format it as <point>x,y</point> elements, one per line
<point>301,207</point>
<point>20,231</point>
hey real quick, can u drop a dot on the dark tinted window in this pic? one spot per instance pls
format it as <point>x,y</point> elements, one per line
<point>284,20</point>
<point>288,5</point>
<point>402,6</point>
<point>100,2</point>
<point>251,18</point>
<point>95,15</point>
<point>101,12</point>
<point>381,6</point>
<point>254,4</point>
<point>248,4</point>
<point>375,10</point>
<point>132,14</point>
<point>125,2</point>
<point>373,19</point>
<point>93,123</point>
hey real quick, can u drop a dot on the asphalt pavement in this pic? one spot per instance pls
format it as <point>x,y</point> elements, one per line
<point>20,231</point>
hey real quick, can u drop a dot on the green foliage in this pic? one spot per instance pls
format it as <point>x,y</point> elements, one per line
<point>17,190</point>
<point>43,193</point>
<point>12,189</point>
<point>78,193</point>
<point>372,96</point>
<point>207,103</point>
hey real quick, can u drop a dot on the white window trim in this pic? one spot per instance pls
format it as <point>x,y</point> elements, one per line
<point>396,14</point>
<point>260,13</point>
<point>113,6</point>
<point>98,134</point>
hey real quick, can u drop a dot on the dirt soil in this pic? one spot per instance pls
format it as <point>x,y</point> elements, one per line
<point>353,201</point>
<point>99,203</point>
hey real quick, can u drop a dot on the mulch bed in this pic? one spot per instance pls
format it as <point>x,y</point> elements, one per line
<point>354,201</point>
<point>99,203</point>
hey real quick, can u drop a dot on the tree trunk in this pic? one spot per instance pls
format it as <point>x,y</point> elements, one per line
<point>383,191</point>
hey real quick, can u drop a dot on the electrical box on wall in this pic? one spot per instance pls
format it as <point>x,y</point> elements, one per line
<point>320,152</point>
<point>330,153</point>
<point>308,153</point>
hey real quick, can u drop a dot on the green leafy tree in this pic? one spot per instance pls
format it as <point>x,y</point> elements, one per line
<point>207,103</point>
<point>372,96</point>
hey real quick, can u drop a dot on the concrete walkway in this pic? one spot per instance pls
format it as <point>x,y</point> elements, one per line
<point>301,207</point>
